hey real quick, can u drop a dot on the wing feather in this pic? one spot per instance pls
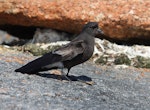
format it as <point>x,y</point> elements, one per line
<point>71,50</point>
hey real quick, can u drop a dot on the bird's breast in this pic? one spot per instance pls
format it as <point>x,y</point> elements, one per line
<point>88,53</point>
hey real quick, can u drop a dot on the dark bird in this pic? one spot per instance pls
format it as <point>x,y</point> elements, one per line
<point>76,52</point>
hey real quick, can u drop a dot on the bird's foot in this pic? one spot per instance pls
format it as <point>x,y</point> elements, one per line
<point>66,76</point>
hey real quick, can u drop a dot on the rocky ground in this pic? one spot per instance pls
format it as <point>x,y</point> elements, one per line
<point>107,87</point>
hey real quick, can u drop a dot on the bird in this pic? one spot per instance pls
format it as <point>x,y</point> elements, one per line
<point>76,52</point>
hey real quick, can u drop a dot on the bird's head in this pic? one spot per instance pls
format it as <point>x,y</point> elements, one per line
<point>92,29</point>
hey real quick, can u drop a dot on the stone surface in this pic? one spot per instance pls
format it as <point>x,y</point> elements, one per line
<point>119,19</point>
<point>6,38</point>
<point>49,35</point>
<point>113,89</point>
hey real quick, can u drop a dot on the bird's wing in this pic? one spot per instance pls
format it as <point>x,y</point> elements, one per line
<point>71,50</point>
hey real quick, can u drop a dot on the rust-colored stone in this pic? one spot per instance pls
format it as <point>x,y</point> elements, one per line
<point>119,19</point>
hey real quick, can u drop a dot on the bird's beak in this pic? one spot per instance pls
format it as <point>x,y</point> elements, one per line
<point>100,31</point>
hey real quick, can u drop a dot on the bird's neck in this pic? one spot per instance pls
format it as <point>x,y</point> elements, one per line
<point>88,38</point>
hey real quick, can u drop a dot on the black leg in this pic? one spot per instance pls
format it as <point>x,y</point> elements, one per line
<point>68,72</point>
<point>65,75</point>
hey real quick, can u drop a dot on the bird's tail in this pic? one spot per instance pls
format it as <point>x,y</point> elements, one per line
<point>39,63</point>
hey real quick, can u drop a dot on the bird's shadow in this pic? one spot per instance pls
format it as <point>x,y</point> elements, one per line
<point>61,77</point>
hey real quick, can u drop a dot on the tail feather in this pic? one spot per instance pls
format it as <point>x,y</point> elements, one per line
<point>37,64</point>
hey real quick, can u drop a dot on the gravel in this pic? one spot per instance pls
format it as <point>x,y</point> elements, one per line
<point>113,89</point>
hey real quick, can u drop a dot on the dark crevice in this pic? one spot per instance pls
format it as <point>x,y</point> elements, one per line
<point>129,42</point>
<point>19,31</point>
<point>23,33</point>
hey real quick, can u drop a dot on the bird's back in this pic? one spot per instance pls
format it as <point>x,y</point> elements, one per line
<point>88,45</point>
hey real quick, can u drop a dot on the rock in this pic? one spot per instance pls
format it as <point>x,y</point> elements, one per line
<point>113,89</point>
<point>108,53</point>
<point>38,49</point>
<point>6,38</point>
<point>118,19</point>
<point>49,35</point>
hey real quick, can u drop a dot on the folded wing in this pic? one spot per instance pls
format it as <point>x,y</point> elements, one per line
<point>71,50</point>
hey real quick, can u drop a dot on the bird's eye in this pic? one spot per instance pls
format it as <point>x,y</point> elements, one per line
<point>93,27</point>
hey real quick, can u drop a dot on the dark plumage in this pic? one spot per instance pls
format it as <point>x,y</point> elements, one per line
<point>76,52</point>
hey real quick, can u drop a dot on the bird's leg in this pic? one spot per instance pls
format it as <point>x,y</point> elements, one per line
<point>68,72</point>
<point>65,75</point>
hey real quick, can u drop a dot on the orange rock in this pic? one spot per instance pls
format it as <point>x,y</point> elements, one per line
<point>119,19</point>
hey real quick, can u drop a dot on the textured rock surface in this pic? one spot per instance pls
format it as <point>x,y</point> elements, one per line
<point>6,38</point>
<point>114,89</point>
<point>119,19</point>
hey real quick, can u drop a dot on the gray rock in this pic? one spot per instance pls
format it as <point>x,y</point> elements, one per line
<point>49,35</point>
<point>6,38</point>
<point>113,89</point>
